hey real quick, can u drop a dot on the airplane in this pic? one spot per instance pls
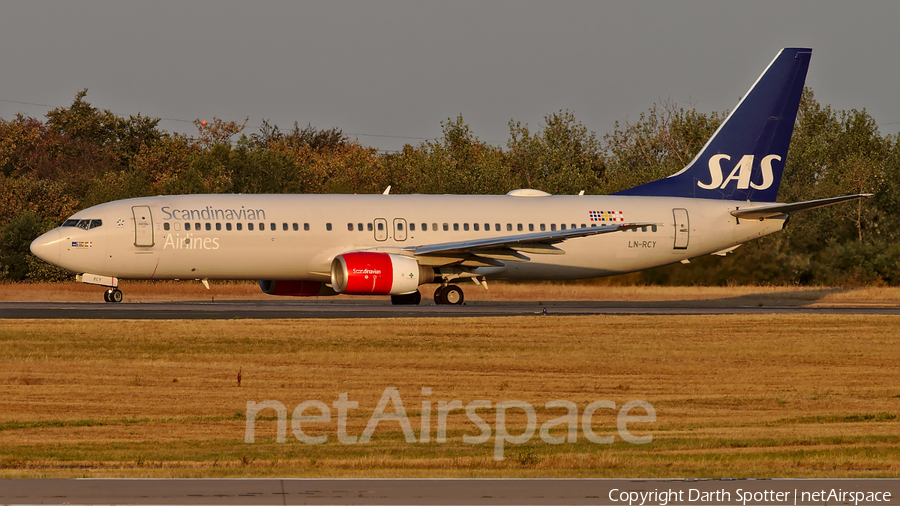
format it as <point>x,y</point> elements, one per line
<point>389,244</point>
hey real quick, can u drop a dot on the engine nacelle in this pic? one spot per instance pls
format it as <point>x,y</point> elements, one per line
<point>365,273</point>
<point>295,288</point>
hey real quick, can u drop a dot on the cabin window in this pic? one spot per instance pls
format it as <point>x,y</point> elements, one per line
<point>593,225</point>
<point>446,227</point>
<point>563,226</point>
<point>250,226</point>
<point>238,226</point>
<point>497,227</point>
<point>359,227</point>
<point>165,226</point>
<point>456,227</point>
<point>412,227</point>
<point>531,227</point>
<point>543,227</point>
<point>487,227</point>
<point>380,226</point>
<point>466,227</point>
<point>328,227</point>
<point>306,226</point>
<point>209,226</point>
<point>582,225</point>
<point>553,226</point>
<point>434,227</point>
<point>425,227</point>
<point>228,227</point>
<point>218,226</point>
<point>369,227</point>
<point>573,226</point>
<point>653,228</point>
<point>196,226</point>
<point>296,227</point>
<point>350,227</point>
<point>519,227</point>
<point>475,227</point>
<point>400,226</point>
<point>187,226</point>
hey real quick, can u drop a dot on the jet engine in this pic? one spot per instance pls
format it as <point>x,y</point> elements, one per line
<point>295,288</point>
<point>366,273</point>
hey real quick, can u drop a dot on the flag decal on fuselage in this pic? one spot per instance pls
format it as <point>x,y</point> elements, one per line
<point>608,216</point>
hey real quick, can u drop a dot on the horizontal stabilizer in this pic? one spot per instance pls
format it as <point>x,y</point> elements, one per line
<point>770,211</point>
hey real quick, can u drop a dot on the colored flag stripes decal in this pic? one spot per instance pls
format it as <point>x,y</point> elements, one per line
<point>607,216</point>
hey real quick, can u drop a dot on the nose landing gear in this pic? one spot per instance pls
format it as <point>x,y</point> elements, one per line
<point>113,295</point>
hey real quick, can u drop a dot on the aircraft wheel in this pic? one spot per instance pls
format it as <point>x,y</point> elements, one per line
<point>115,295</point>
<point>453,295</point>
<point>106,296</point>
<point>409,299</point>
<point>439,296</point>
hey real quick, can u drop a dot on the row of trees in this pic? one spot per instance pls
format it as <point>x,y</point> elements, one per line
<point>81,156</point>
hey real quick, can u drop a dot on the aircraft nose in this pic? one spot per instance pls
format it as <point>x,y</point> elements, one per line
<point>47,246</point>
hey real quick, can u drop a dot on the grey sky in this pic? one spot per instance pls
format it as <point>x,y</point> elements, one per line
<point>398,68</point>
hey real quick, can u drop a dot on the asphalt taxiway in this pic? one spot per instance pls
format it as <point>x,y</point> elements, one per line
<point>448,491</point>
<point>258,309</point>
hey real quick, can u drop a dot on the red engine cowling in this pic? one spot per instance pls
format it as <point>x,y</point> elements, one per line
<point>366,273</point>
<point>295,288</point>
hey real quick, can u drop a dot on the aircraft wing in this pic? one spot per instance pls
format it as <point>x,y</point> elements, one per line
<point>773,210</point>
<point>511,247</point>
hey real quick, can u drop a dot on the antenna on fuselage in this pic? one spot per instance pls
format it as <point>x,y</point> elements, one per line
<point>387,190</point>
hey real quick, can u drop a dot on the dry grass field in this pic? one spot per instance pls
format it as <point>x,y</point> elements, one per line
<point>735,396</point>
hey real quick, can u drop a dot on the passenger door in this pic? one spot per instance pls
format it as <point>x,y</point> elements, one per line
<point>143,226</point>
<point>682,228</point>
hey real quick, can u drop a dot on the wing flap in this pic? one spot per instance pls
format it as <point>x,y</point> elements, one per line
<point>534,243</point>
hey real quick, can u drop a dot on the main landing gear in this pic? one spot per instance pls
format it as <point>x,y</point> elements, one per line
<point>407,299</point>
<point>112,295</point>
<point>450,294</point>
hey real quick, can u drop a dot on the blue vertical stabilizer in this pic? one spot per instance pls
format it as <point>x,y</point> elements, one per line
<point>745,157</point>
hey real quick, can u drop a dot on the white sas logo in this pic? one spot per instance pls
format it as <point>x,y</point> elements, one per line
<point>740,173</point>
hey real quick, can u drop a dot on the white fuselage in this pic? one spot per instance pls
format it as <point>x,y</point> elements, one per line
<point>296,237</point>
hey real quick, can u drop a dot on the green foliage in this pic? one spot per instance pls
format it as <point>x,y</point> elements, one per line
<point>82,156</point>
<point>662,142</point>
<point>14,244</point>
<point>563,157</point>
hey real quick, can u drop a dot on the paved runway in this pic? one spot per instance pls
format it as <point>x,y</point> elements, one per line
<point>440,492</point>
<point>256,309</point>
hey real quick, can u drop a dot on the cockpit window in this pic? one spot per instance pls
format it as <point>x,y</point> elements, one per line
<point>85,224</point>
